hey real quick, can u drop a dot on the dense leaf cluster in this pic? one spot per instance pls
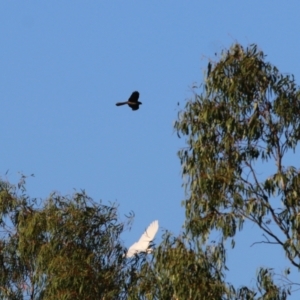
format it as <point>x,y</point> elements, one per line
<point>67,249</point>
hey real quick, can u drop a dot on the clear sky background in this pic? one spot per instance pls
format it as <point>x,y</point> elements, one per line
<point>64,65</point>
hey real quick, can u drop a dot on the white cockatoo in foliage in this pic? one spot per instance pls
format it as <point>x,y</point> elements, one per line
<point>144,241</point>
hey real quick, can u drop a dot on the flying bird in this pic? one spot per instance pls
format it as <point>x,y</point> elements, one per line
<point>132,101</point>
<point>144,241</point>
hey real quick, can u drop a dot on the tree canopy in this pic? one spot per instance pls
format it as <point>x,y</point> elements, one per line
<point>246,113</point>
<point>69,248</point>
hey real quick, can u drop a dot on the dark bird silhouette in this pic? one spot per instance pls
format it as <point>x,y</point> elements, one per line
<point>132,101</point>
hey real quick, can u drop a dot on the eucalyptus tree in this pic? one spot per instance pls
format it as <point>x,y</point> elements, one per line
<point>67,247</point>
<point>245,114</point>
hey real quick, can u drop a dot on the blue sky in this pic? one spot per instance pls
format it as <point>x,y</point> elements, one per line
<point>64,65</point>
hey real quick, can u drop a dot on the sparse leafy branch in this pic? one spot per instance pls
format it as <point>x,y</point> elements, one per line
<point>246,113</point>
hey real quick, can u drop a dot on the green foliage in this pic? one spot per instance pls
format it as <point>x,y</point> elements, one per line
<point>247,112</point>
<point>181,271</point>
<point>67,249</point>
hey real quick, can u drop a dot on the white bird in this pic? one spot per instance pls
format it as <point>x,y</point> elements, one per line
<point>144,241</point>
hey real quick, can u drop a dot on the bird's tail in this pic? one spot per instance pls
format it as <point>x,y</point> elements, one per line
<point>121,103</point>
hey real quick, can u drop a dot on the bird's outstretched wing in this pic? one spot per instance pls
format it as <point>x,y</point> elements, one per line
<point>134,97</point>
<point>144,241</point>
